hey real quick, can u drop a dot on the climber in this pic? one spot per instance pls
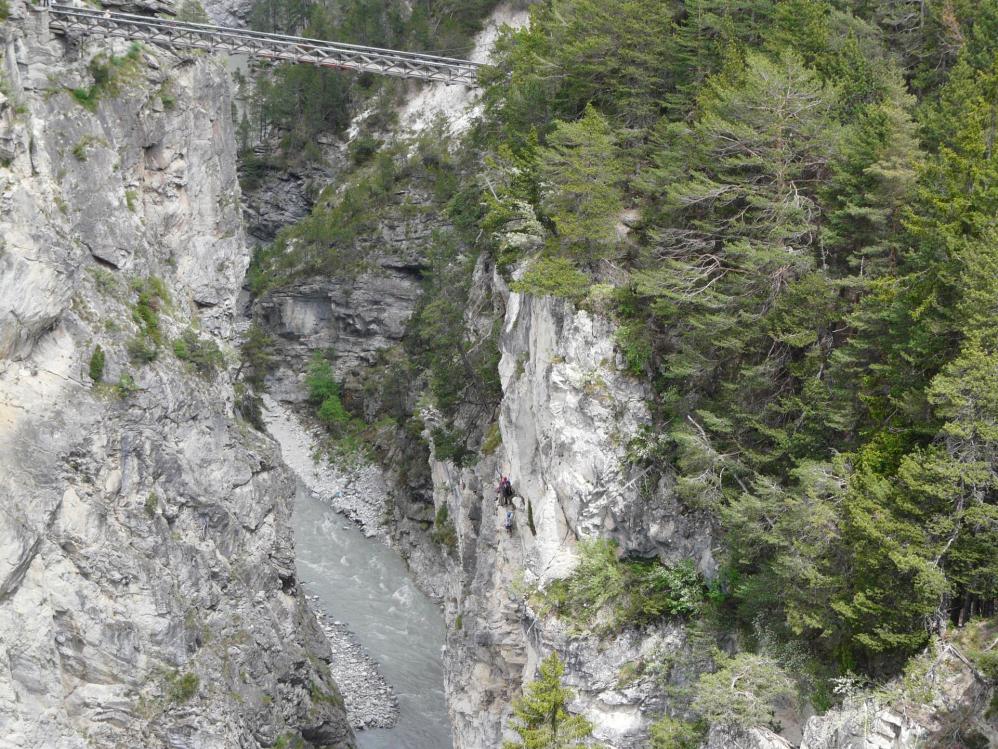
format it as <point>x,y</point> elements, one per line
<point>509,522</point>
<point>505,491</point>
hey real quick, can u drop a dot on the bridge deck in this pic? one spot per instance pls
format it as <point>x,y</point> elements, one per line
<point>171,33</point>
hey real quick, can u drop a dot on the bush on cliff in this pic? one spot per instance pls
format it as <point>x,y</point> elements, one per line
<point>97,364</point>
<point>608,594</point>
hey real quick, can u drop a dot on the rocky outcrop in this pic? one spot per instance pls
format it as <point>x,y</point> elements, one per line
<point>353,318</point>
<point>359,313</point>
<point>568,414</point>
<point>231,13</point>
<point>148,594</point>
<point>948,705</point>
<point>943,702</point>
<point>276,197</point>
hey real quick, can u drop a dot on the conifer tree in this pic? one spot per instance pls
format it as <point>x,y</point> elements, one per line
<point>581,173</point>
<point>739,226</point>
<point>541,719</point>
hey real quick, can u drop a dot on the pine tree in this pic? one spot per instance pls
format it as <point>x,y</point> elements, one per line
<point>581,173</point>
<point>97,364</point>
<point>738,230</point>
<point>957,480</point>
<point>541,719</point>
<point>704,33</point>
<point>617,56</point>
<point>872,181</point>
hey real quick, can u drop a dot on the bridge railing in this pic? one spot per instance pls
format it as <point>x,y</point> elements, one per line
<point>185,34</point>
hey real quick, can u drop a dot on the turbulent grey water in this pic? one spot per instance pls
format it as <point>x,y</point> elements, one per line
<point>364,584</point>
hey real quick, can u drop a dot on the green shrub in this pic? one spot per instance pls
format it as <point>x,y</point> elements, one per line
<point>252,169</point>
<point>166,95</point>
<point>449,446</point>
<point>742,692</point>
<point>319,380</point>
<point>444,532</point>
<point>152,298</point>
<point>318,694</point>
<point>180,349</point>
<point>362,148</point>
<point>977,639</point>
<point>289,741</point>
<point>151,503</point>
<point>670,733</point>
<point>324,392</point>
<point>191,11</point>
<point>125,385</point>
<point>348,436</point>
<point>553,276</point>
<point>657,591</point>
<point>86,97</point>
<point>987,664</point>
<point>623,593</point>
<point>332,413</point>
<point>182,687</point>
<point>635,344</point>
<point>97,364</point>
<point>250,405</point>
<point>202,354</point>
<point>142,350</point>
<point>256,356</point>
<point>108,73</point>
<point>4,10</point>
<point>492,441</point>
<point>80,149</point>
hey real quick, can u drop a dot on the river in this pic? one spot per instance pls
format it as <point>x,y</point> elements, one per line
<point>364,584</point>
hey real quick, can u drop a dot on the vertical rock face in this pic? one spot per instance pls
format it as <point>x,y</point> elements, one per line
<point>360,312</point>
<point>147,586</point>
<point>567,415</point>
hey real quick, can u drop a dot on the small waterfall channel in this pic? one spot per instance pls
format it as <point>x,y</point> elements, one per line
<point>361,585</point>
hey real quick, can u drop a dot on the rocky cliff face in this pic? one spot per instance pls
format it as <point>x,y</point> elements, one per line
<point>567,415</point>
<point>147,584</point>
<point>359,313</point>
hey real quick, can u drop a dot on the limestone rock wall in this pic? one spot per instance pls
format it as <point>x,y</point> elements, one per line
<point>147,585</point>
<point>567,414</point>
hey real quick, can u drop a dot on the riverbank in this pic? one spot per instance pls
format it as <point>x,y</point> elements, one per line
<point>370,701</point>
<point>358,493</point>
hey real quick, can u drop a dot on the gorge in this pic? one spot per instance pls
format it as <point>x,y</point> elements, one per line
<point>711,283</point>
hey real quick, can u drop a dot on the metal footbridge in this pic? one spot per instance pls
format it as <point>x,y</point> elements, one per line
<point>182,34</point>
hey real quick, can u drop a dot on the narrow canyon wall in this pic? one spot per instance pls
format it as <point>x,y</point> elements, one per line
<point>567,415</point>
<point>147,585</point>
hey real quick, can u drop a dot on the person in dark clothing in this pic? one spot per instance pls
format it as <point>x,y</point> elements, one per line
<point>504,491</point>
<point>509,522</point>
